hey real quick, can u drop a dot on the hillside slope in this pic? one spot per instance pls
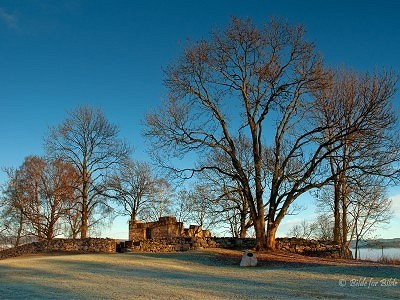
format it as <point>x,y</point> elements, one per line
<point>189,275</point>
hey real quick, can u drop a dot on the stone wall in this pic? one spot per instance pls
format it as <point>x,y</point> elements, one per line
<point>196,231</point>
<point>312,247</point>
<point>235,243</point>
<point>170,244</point>
<point>89,245</point>
<point>292,245</point>
<point>165,227</point>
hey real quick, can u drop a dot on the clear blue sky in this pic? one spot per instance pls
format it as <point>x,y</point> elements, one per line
<point>56,55</point>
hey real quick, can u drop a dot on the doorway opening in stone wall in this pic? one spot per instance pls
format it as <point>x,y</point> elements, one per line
<point>148,233</point>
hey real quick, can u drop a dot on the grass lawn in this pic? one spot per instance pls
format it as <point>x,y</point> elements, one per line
<point>188,275</point>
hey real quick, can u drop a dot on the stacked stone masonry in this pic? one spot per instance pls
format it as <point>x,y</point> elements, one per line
<point>328,249</point>
<point>293,245</point>
<point>169,244</point>
<point>89,245</point>
<point>165,227</point>
<point>168,235</point>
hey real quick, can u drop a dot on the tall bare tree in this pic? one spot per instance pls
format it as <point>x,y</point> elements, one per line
<point>369,209</point>
<point>182,205</point>
<point>245,71</point>
<point>12,218</point>
<point>39,194</point>
<point>132,187</point>
<point>302,230</point>
<point>72,221</point>
<point>202,208</point>
<point>320,228</point>
<point>160,203</point>
<point>29,179</point>
<point>237,83</point>
<point>91,144</point>
<point>57,186</point>
<point>229,199</point>
<point>360,106</point>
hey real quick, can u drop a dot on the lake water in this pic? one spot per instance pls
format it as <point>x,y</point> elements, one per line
<point>376,253</point>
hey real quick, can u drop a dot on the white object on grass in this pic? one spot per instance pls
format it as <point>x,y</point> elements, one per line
<point>248,260</point>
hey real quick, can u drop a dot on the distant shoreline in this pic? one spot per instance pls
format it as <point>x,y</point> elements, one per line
<point>378,243</point>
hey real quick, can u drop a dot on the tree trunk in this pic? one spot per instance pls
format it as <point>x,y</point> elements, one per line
<point>85,198</point>
<point>336,213</point>
<point>259,227</point>
<point>243,232</point>
<point>39,233</point>
<point>272,225</point>
<point>356,255</point>
<point>344,195</point>
<point>50,230</point>
<point>271,232</point>
<point>344,244</point>
<point>84,223</point>
<point>21,221</point>
<point>37,214</point>
<point>336,204</point>
<point>344,219</point>
<point>243,229</point>
<point>133,216</point>
<point>49,235</point>
<point>53,220</point>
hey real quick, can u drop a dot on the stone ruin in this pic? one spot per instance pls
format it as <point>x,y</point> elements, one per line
<point>168,235</point>
<point>165,227</point>
<point>88,245</point>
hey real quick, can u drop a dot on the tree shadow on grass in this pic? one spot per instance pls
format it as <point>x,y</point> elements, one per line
<point>213,260</point>
<point>224,285</point>
<point>259,282</point>
<point>194,257</point>
<point>19,283</point>
<point>129,274</point>
<point>382,271</point>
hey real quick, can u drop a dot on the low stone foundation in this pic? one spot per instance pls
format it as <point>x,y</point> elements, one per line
<point>312,248</point>
<point>293,245</point>
<point>235,243</point>
<point>165,227</point>
<point>306,247</point>
<point>89,245</point>
<point>171,244</point>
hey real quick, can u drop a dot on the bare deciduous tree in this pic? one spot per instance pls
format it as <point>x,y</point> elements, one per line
<point>202,210</point>
<point>302,230</point>
<point>229,199</point>
<point>72,221</point>
<point>182,206</point>
<point>360,106</point>
<point>90,143</point>
<point>368,209</point>
<point>245,71</point>
<point>320,228</point>
<point>160,202</point>
<point>58,194</point>
<point>40,193</point>
<point>132,187</point>
<point>13,221</point>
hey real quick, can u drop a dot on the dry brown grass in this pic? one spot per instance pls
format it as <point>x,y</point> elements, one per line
<point>281,258</point>
<point>389,261</point>
<point>211,274</point>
